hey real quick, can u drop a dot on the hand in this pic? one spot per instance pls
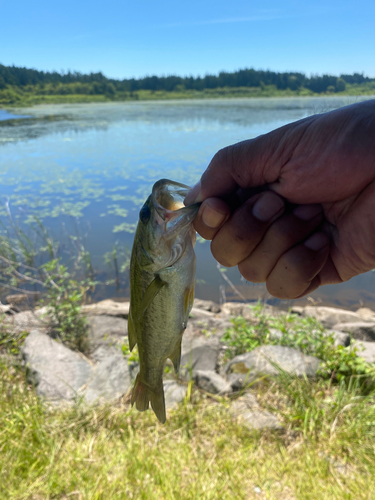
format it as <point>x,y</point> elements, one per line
<point>295,208</point>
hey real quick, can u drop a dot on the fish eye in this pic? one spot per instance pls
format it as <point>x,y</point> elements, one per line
<point>145,214</point>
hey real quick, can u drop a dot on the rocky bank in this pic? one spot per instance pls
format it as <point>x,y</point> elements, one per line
<point>104,374</point>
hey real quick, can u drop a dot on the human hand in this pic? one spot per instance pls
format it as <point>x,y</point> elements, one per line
<point>295,208</point>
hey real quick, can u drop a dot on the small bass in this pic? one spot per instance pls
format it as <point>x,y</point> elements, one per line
<point>162,279</point>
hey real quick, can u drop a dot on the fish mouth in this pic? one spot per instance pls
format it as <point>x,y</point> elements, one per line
<point>168,200</point>
<point>168,196</point>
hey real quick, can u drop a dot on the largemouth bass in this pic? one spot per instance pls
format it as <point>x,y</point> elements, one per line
<point>162,279</point>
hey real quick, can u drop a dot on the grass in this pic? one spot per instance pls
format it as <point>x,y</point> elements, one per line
<point>200,453</point>
<point>326,449</point>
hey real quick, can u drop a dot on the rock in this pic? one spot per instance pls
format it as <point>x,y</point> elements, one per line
<point>16,298</point>
<point>261,361</point>
<point>236,309</point>
<point>200,314</point>
<point>247,410</point>
<point>207,324</point>
<point>340,337</point>
<point>8,309</point>
<point>207,305</point>
<point>57,372</point>
<point>211,382</point>
<point>107,332</point>
<point>358,330</point>
<point>328,316</point>
<point>22,321</point>
<point>366,350</point>
<point>109,380</point>
<point>198,353</point>
<point>43,313</point>
<point>107,308</point>
<point>239,381</point>
<point>366,313</point>
<point>174,393</point>
<point>103,351</point>
<point>275,334</point>
<point>248,311</point>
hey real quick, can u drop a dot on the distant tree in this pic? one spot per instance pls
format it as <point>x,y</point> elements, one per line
<point>340,85</point>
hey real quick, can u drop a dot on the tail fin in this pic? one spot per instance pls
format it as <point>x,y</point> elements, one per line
<point>142,395</point>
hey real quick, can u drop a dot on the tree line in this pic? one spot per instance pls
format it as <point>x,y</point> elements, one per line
<point>97,83</point>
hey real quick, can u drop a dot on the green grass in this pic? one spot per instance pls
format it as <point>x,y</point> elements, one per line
<point>200,453</point>
<point>325,451</point>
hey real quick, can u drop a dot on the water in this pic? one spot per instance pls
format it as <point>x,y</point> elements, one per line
<point>96,164</point>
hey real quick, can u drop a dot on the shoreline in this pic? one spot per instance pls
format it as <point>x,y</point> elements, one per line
<point>145,96</point>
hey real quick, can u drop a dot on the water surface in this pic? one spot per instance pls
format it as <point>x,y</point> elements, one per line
<point>94,165</point>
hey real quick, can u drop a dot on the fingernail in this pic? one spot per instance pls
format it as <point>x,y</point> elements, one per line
<point>267,207</point>
<point>212,218</point>
<point>317,241</point>
<point>307,212</point>
<point>193,194</point>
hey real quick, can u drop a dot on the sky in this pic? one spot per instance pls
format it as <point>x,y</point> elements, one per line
<point>135,38</point>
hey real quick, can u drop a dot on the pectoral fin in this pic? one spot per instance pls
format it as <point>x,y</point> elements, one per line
<point>153,289</point>
<point>132,337</point>
<point>175,357</point>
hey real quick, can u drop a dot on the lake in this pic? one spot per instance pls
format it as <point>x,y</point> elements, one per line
<point>86,169</point>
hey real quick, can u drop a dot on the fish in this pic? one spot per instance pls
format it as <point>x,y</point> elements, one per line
<point>162,281</point>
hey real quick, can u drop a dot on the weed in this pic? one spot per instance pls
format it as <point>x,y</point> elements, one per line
<point>303,333</point>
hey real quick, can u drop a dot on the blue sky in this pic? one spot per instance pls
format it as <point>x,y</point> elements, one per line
<point>135,38</point>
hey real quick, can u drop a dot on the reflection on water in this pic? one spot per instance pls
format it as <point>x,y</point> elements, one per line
<point>98,162</point>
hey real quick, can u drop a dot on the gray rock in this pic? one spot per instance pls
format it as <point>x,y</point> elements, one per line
<point>366,350</point>
<point>238,309</point>
<point>247,410</point>
<point>360,330</point>
<point>275,334</point>
<point>24,320</point>
<point>106,332</point>
<point>340,338</point>
<point>366,313</point>
<point>328,316</point>
<point>211,382</point>
<point>174,393</point>
<point>57,372</point>
<point>102,352</point>
<point>107,308</point>
<point>109,380</point>
<point>199,353</point>
<point>207,305</point>
<point>16,298</point>
<point>261,361</point>
<point>8,309</point>
<point>200,314</point>
<point>207,324</point>
<point>239,381</point>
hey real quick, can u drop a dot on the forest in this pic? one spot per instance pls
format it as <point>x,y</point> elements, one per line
<point>23,86</point>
